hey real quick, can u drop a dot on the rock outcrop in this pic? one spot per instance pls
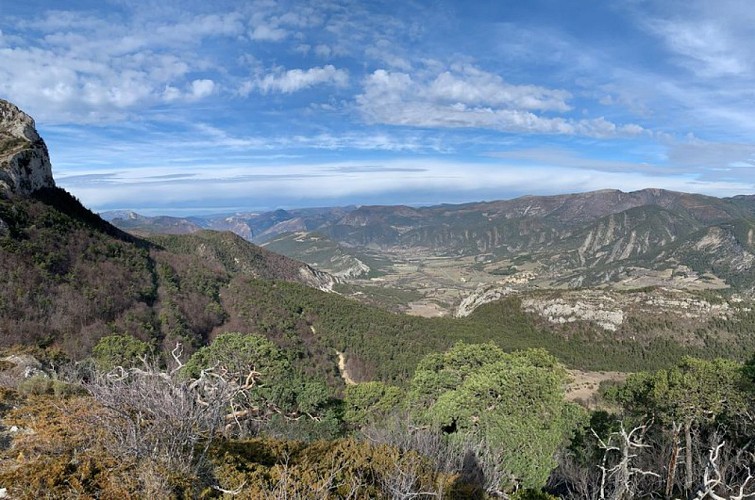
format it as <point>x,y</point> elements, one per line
<point>317,279</point>
<point>24,160</point>
<point>481,296</point>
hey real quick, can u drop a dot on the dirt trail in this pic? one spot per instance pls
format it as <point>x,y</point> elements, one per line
<point>342,368</point>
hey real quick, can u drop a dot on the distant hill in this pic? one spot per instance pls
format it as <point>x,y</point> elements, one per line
<point>323,253</point>
<point>256,227</point>
<point>139,224</point>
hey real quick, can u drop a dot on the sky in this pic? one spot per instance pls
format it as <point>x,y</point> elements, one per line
<point>187,107</point>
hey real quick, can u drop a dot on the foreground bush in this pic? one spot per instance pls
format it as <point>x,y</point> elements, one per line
<point>61,450</point>
<point>512,404</point>
<point>345,468</point>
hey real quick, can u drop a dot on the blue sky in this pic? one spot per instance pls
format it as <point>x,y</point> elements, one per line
<point>195,106</point>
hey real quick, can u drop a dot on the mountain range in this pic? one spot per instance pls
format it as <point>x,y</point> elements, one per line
<point>573,240</point>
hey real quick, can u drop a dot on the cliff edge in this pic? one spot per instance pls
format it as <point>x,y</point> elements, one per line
<point>24,161</point>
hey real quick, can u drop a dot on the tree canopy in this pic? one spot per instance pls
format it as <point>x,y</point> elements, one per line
<point>513,402</point>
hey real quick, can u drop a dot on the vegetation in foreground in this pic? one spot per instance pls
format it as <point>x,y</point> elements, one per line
<point>472,422</point>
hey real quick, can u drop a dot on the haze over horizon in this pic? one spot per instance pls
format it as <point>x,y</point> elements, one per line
<point>195,107</point>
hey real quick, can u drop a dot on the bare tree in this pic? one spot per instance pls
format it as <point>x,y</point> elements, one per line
<point>715,481</point>
<point>160,417</point>
<point>626,445</point>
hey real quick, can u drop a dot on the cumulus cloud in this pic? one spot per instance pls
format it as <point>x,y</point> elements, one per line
<point>471,86</point>
<point>71,67</point>
<point>294,80</point>
<point>195,90</point>
<point>472,98</point>
<point>268,33</point>
<point>201,88</point>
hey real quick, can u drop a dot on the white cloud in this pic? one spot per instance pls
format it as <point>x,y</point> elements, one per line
<point>303,48</point>
<point>474,99</point>
<point>274,22</point>
<point>264,32</point>
<point>705,47</point>
<point>711,39</point>
<point>201,88</point>
<point>297,184</point>
<point>171,94</point>
<point>294,80</point>
<point>388,53</point>
<point>472,86</point>
<point>70,67</point>
<point>323,50</point>
<point>706,154</point>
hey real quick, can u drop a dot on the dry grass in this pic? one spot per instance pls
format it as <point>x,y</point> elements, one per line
<point>585,385</point>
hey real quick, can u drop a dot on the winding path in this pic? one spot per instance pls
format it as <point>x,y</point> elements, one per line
<point>342,368</point>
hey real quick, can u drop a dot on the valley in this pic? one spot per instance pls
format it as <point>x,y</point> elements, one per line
<point>647,266</point>
<point>623,286</point>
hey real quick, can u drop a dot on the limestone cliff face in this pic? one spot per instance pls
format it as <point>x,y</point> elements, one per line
<point>24,160</point>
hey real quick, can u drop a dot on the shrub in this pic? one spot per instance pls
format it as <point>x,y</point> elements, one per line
<point>36,386</point>
<point>119,350</point>
<point>370,401</point>
<point>511,403</point>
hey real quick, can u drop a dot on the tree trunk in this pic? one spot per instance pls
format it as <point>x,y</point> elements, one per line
<point>673,461</point>
<point>688,456</point>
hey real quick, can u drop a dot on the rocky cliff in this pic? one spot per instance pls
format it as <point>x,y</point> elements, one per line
<point>24,160</point>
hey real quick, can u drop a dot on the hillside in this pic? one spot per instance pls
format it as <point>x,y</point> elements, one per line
<point>71,278</point>
<point>236,256</point>
<point>324,253</point>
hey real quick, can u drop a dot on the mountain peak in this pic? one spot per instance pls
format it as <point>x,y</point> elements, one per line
<point>24,161</point>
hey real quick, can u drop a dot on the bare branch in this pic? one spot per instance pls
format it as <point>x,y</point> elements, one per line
<point>623,472</point>
<point>176,354</point>
<point>232,492</point>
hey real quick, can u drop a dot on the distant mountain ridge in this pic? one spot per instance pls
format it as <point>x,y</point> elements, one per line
<point>256,227</point>
<point>578,239</point>
<point>385,225</point>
